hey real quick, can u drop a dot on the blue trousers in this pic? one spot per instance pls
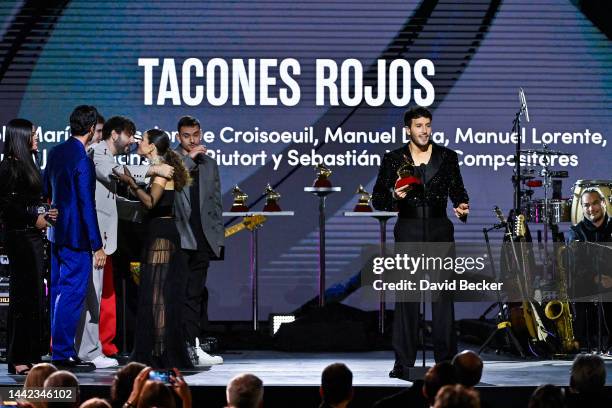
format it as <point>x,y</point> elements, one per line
<point>70,270</point>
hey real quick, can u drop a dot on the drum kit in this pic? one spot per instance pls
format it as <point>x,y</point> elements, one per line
<point>554,209</point>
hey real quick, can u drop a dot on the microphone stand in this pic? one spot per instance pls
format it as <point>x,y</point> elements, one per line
<point>599,312</point>
<point>516,128</point>
<point>416,372</point>
<point>503,320</point>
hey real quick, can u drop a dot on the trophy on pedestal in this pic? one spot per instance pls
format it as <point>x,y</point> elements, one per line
<point>271,199</point>
<point>240,198</point>
<point>406,174</point>
<point>363,205</point>
<point>323,174</point>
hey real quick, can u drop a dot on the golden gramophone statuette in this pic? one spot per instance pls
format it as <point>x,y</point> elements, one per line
<point>135,272</point>
<point>240,198</point>
<point>363,205</point>
<point>271,199</point>
<point>323,174</point>
<point>406,174</point>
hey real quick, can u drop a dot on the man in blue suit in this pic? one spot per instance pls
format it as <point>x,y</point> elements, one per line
<point>70,182</point>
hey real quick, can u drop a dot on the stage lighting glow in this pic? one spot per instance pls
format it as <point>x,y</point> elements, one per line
<point>277,319</point>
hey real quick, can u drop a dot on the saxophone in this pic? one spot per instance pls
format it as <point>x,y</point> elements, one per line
<point>559,310</point>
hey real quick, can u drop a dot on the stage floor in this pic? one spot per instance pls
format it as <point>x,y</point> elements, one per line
<point>370,369</point>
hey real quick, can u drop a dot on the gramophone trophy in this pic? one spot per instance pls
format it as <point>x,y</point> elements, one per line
<point>240,198</point>
<point>363,205</point>
<point>323,174</point>
<point>406,174</point>
<point>271,199</point>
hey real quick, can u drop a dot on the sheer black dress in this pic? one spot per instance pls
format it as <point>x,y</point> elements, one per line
<point>159,340</point>
<point>25,249</point>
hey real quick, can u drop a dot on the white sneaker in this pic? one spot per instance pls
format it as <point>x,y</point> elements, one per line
<point>105,362</point>
<point>205,359</point>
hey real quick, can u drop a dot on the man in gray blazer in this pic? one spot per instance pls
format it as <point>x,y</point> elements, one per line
<point>117,135</point>
<point>198,218</point>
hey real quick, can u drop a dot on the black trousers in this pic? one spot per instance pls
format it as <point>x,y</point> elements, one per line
<point>196,301</point>
<point>405,337</point>
<point>26,307</point>
<point>585,324</point>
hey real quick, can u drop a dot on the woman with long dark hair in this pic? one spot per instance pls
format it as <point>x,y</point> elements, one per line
<point>159,339</point>
<point>25,219</point>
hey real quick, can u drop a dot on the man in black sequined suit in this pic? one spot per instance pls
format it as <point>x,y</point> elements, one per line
<point>422,218</point>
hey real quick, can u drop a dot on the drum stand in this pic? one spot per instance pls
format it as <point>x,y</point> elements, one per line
<point>549,221</point>
<point>547,180</point>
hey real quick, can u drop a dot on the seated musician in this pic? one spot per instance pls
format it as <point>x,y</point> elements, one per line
<point>591,263</point>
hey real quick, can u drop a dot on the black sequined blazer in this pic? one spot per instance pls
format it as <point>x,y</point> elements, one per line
<point>443,181</point>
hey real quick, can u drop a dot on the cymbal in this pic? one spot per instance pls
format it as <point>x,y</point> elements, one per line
<point>545,152</point>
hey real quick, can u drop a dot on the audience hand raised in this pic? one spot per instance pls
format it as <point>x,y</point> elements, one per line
<point>181,388</point>
<point>139,383</point>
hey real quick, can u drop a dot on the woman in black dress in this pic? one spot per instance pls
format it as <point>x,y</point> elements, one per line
<point>25,219</point>
<point>159,340</point>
